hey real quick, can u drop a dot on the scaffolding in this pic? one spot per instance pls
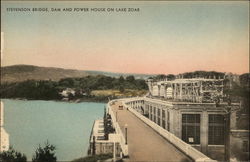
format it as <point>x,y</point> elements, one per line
<point>199,90</point>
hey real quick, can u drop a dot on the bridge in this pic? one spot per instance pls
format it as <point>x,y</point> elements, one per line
<point>144,144</point>
<point>179,120</point>
<point>141,139</point>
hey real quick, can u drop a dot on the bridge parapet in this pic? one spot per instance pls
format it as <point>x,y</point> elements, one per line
<point>118,132</point>
<point>177,142</point>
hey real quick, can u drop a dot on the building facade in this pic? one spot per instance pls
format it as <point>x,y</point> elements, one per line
<point>193,110</point>
<point>200,125</point>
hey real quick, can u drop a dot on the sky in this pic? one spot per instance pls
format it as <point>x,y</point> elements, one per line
<point>161,38</point>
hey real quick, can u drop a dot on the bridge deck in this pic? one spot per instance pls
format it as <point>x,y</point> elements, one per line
<point>143,142</point>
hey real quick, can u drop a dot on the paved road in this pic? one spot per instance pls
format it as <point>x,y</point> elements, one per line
<point>143,142</point>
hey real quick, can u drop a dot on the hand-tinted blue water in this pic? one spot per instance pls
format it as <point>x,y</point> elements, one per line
<point>65,125</point>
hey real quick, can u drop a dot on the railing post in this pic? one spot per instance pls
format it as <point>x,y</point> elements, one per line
<point>114,153</point>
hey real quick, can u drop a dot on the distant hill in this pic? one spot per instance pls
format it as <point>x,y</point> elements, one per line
<point>18,73</point>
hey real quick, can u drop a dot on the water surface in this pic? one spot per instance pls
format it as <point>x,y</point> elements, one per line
<point>65,125</point>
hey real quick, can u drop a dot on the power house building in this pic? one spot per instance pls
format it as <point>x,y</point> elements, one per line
<point>193,110</point>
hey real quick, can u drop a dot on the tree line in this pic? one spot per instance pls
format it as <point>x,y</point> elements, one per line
<point>47,153</point>
<point>203,74</point>
<point>187,75</point>
<point>49,90</point>
<point>42,154</point>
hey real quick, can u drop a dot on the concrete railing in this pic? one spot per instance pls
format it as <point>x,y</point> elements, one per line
<point>120,136</point>
<point>181,145</point>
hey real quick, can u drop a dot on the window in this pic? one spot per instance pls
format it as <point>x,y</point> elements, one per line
<point>154,114</point>
<point>163,114</point>
<point>245,146</point>
<point>216,129</point>
<point>163,119</point>
<point>151,113</point>
<point>191,128</point>
<point>168,121</point>
<point>159,116</point>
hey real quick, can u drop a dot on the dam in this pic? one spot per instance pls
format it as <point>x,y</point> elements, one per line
<point>180,120</point>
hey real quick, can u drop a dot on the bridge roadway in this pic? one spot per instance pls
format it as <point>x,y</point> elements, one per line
<point>144,144</point>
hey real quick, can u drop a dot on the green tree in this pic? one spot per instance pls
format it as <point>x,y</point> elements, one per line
<point>67,82</point>
<point>12,156</point>
<point>245,80</point>
<point>141,84</point>
<point>130,78</point>
<point>121,89</point>
<point>46,154</point>
<point>121,79</point>
<point>160,77</point>
<point>170,77</point>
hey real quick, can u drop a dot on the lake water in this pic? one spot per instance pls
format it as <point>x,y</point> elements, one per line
<point>65,125</point>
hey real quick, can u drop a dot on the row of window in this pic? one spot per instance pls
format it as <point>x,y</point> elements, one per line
<point>135,102</point>
<point>191,126</point>
<point>191,129</point>
<point>153,117</point>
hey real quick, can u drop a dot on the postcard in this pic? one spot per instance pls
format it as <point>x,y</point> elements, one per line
<point>124,81</point>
